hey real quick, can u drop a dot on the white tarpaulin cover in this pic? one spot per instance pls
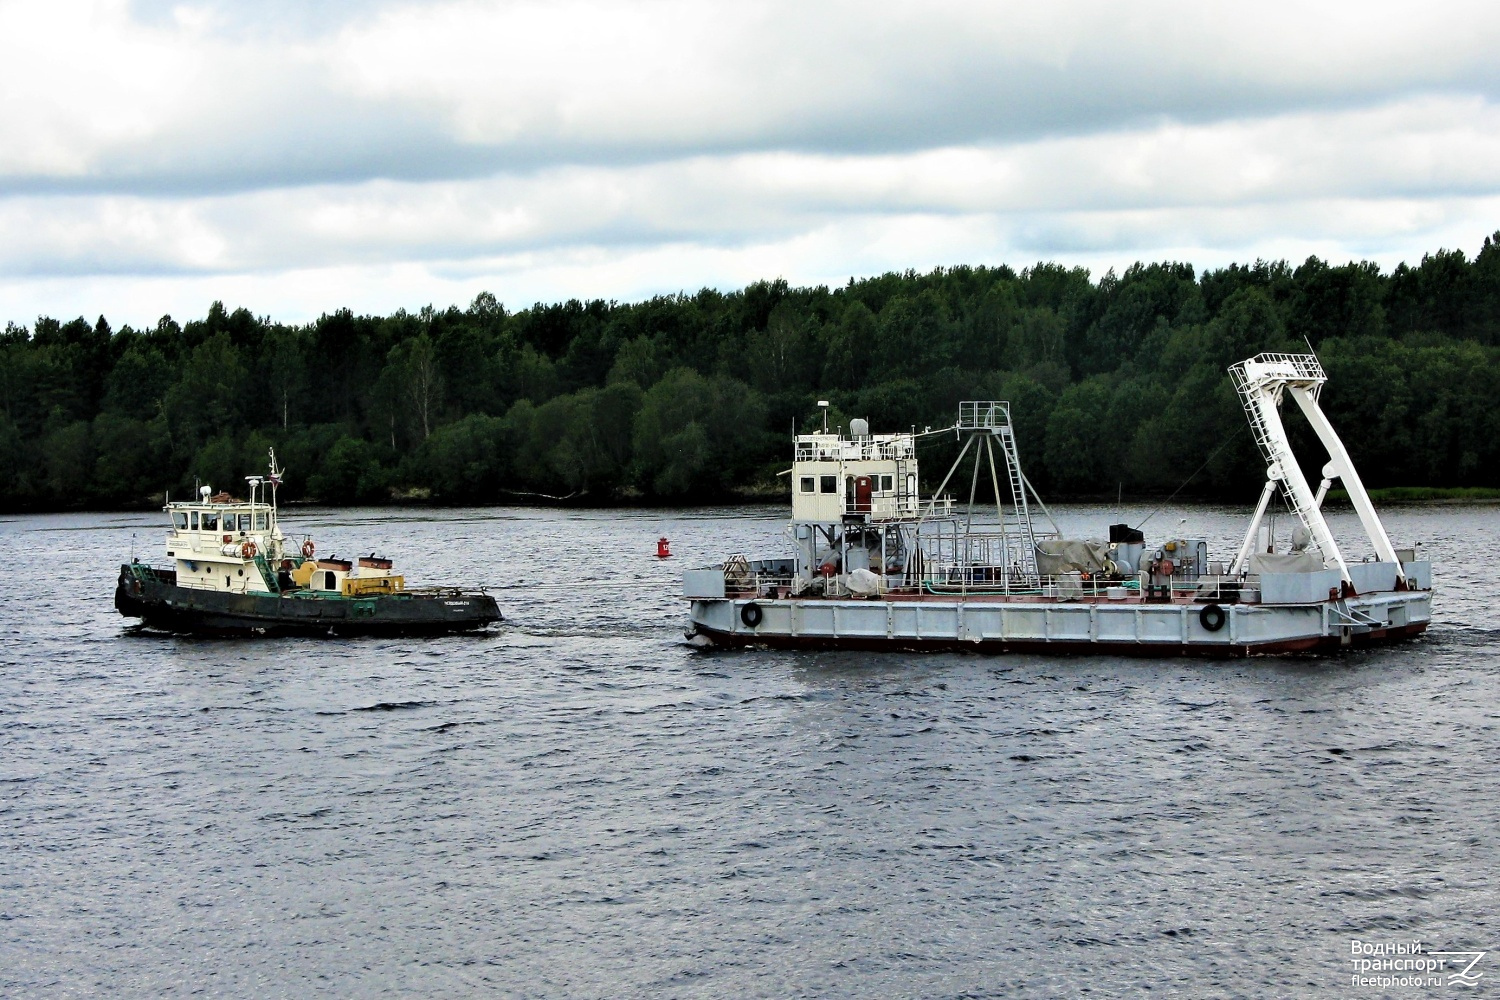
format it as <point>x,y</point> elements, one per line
<point>1309,561</point>
<point>1070,555</point>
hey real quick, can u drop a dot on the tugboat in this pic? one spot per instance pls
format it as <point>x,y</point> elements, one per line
<point>875,566</point>
<point>236,573</point>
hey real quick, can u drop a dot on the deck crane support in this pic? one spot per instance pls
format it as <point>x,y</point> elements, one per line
<point>1261,382</point>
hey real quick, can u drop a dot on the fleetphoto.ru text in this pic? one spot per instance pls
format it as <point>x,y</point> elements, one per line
<point>1394,964</point>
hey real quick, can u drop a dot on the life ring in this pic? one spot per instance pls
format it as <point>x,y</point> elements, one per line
<point>751,615</point>
<point>308,548</point>
<point>1165,567</point>
<point>248,550</point>
<point>1212,617</point>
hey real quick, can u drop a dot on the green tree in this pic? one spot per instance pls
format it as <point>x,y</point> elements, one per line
<point>463,461</point>
<point>690,434</point>
<point>209,398</point>
<point>412,373</point>
<point>1074,453</point>
<point>69,457</point>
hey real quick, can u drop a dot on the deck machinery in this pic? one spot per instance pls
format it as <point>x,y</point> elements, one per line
<point>875,565</point>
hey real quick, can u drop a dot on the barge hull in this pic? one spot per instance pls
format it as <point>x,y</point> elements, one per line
<point>1171,629</point>
<point>1225,651</point>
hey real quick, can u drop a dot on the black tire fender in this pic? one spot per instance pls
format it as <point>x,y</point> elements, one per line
<point>1212,617</point>
<point>751,615</point>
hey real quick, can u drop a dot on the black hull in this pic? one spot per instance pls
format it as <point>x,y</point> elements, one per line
<point>143,593</point>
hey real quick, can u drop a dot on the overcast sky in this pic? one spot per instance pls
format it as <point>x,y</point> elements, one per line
<point>293,158</point>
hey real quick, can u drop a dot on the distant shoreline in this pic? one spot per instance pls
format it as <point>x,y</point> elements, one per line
<point>1424,494</point>
<point>1385,496</point>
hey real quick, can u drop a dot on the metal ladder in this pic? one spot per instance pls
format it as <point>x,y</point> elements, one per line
<point>1261,382</point>
<point>268,577</point>
<point>992,417</point>
<point>1016,524</point>
<point>1257,400</point>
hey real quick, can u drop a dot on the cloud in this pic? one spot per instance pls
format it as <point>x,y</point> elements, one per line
<point>831,253</point>
<point>215,97</point>
<point>1430,148</point>
<point>384,154</point>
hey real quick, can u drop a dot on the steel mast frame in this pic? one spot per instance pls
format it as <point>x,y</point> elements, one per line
<point>987,423</point>
<point>1261,382</point>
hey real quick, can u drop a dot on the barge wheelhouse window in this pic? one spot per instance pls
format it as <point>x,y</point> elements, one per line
<point>211,522</point>
<point>806,484</point>
<point>180,520</point>
<point>828,484</point>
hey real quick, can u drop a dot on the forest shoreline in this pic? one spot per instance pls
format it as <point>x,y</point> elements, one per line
<point>1115,383</point>
<point>1392,496</point>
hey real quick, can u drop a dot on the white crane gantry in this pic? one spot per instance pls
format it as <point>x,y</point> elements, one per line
<point>1261,382</point>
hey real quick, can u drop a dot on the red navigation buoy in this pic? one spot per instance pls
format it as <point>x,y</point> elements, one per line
<point>662,551</point>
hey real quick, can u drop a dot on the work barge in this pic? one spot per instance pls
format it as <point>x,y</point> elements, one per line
<point>875,565</point>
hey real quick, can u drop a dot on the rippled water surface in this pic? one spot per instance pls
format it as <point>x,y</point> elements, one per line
<point>580,805</point>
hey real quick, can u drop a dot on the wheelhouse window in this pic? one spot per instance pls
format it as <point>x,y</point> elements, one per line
<point>195,520</point>
<point>180,519</point>
<point>887,484</point>
<point>211,522</point>
<point>828,484</point>
<point>244,522</point>
<point>805,485</point>
<point>262,522</point>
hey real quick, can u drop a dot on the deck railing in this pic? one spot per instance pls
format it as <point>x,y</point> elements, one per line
<point>989,581</point>
<point>983,414</point>
<point>828,448</point>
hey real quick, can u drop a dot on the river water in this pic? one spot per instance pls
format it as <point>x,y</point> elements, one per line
<point>580,805</point>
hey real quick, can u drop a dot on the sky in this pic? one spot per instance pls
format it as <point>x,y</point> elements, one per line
<point>296,158</point>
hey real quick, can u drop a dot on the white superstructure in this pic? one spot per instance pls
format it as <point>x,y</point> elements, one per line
<point>218,542</point>
<point>222,543</point>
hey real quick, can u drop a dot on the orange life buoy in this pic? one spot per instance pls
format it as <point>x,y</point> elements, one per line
<point>1165,567</point>
<point>248,550</point>
<point>308,548</point>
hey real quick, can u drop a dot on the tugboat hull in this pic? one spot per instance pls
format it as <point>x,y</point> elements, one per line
<point>154,597</point>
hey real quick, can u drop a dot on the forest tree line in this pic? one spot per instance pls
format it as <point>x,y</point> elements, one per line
<point>1116,384</point>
